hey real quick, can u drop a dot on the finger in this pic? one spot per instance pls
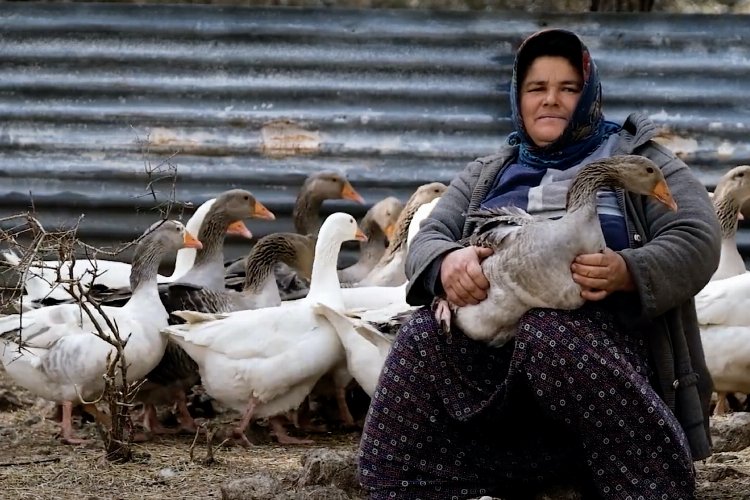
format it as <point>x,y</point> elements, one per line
<point>473,294</point>
<point>591,271</point>
<point>474,271</point>
<point>483,252</point>
<point>592,259</point>
<point>594,295</point>
<point>464,297</point>
<point>452,296</point>
<point>596,283</point>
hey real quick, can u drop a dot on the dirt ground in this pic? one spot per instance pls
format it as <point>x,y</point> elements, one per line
<point>35,465</point>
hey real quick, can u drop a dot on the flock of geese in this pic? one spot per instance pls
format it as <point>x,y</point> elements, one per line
<point>250,332</point>
<point>264,333</point>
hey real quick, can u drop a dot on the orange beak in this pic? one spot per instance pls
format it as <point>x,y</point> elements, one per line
<point>261,212</point>
<point>238,228</point>
<point>190,241</point>
<point>662,193</point>
<point>389,231</point>
<point>359,235</point>
<point>348,193</point>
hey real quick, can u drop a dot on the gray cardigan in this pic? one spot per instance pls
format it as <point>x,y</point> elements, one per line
<point>681,255</point>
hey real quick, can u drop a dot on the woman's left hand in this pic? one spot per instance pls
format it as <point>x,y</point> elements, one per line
<point>601,274</point>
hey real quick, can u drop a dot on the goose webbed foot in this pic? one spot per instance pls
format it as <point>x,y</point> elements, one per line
<point>66,427</point>
<point>277,424</point>
<point>443,314</point>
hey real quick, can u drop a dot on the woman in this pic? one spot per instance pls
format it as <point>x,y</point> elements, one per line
<point>612,397</point>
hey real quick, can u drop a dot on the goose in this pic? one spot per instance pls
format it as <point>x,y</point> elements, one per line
<point>317,188</point>
<point>365,345</point>
<point>54,353</point>
<point>389,271</point>
<point>175,370</point>
<point>722,301</point>
<point>221,216</point>
<point>421,214</point>
<point>722,308</point>
<point>378,224</point>
<point>270,368</point>
<point>386,298</point>
<point>259,283</point>
<point>42,289</point>
<point>732,191</point>
<point>549,246</point>
<point>727,353</point>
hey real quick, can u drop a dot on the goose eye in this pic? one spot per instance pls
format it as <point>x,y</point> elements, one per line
<point>650,170</point>
<point>741,174</point>
<point>246,197</point>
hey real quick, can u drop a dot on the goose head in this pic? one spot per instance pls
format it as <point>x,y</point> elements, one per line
<point>329,186</point>
<point>338,228</point>
<point>633,173</point>
<point>385,214</point>
<point>160,239</point>
<point>732,191</point>
<point>226,213</point>
<point>238,204</point>
<point>168,236</point>
<point>317,188</point>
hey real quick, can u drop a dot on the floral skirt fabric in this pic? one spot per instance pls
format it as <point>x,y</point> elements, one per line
<point>567,402</point>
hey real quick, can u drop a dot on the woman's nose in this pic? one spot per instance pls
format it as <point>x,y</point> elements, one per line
<point>550,97</point>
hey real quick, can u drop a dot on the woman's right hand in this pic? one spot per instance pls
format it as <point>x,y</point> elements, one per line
<point>462,277</point>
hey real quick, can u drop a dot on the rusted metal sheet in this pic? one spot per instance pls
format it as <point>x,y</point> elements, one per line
<point>260,98</point>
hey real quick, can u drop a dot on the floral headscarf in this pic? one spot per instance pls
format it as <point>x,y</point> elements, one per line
<point>587,128</point>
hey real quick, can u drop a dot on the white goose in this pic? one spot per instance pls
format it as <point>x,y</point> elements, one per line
<point>57,357</point>
<point>41,285</point>
<point>549,246</point>
<point>387,299</point>
<point>727,353</point>
<point>365,346</point>
<point>723,306</point>
<point>266,361</point>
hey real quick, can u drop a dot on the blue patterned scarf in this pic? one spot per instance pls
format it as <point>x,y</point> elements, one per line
<point>587,128</point>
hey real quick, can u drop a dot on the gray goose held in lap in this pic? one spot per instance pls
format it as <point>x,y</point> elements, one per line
<point>530,266</point>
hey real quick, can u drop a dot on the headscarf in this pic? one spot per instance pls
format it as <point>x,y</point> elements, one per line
<point>587,128</point>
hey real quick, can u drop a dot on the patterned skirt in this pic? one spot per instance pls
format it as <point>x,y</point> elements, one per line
<point>568,402</point>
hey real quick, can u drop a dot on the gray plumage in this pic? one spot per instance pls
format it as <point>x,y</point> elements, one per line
<point>259,289</point>
<point>176,369</point>
<point>530,266</point>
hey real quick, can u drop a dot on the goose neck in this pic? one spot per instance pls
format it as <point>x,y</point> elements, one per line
<point>727,209</point>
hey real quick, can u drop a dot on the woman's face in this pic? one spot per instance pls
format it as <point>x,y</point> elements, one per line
<point>549,94</point>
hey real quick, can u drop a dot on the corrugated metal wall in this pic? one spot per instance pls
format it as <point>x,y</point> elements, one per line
<point>259,98</point>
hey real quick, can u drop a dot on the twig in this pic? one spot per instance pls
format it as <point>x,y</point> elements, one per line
<point>30,462</point>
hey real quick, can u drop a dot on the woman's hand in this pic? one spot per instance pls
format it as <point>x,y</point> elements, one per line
<point>462,277</point>
<point>601,274</point>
